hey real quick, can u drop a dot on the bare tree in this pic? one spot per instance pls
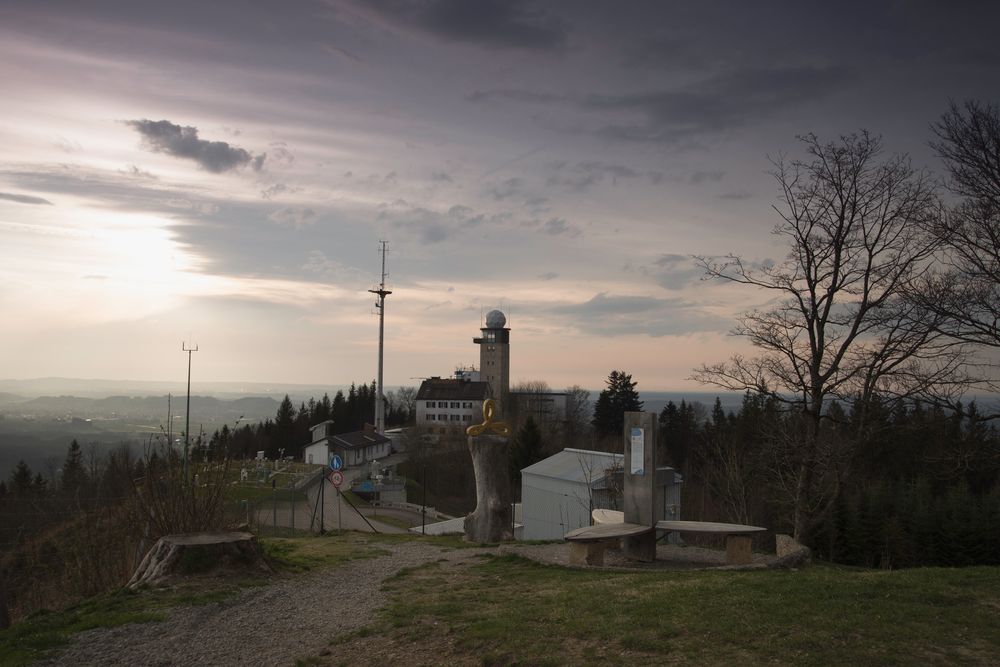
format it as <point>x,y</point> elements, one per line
<point>854,223</point>
<point>967,292</point>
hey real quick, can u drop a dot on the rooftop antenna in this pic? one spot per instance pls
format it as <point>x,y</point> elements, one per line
<point>187,416</point>
<point>382,292</point>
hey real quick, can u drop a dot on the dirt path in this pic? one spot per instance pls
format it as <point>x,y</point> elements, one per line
<point>272,625</point>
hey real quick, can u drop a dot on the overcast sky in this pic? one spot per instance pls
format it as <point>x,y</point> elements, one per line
<point>222,172</point>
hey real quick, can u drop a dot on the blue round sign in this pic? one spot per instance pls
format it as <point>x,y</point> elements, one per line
<point>336,463</point>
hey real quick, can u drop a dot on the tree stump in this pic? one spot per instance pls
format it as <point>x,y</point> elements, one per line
<point>491,520</point>
<point>198,553</point>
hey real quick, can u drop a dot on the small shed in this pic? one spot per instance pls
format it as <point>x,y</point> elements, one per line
<point>559,493</point>
<point>318,451</point>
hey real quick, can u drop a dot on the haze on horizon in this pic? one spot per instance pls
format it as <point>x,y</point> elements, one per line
<point>222,172</point>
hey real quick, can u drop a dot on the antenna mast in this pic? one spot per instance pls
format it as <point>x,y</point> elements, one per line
<point>382,292</point>
<point>187,415</point>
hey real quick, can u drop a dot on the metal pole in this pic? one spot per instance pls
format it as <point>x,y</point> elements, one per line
<point>380,304</point>
<point>423,505</point>
<point>187,416</point>
<point>339,506</point>
<point>322,505</point>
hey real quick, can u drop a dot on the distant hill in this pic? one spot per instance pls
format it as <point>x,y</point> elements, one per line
<point>6,398</point>
<point>145,408</point>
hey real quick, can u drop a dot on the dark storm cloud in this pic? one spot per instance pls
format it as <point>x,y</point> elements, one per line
<point>716,104</point>
<point>24,199</point>
<point>162,136</point>
<point>612,315</point>
<point>501,24</point>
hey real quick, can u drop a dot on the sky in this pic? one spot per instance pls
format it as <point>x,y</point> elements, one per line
<point>222,172</point>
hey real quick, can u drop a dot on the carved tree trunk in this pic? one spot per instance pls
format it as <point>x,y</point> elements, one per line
<point>491,521</point>
<point>196,553</point>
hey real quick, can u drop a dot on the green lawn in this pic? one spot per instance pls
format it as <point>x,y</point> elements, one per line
<point>512,611</point>
<point>507,610</point>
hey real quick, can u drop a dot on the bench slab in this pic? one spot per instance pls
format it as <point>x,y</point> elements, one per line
<point>708,527</point>
<point>606,531</point>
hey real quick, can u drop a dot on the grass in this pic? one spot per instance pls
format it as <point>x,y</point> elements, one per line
<point>512,611</point>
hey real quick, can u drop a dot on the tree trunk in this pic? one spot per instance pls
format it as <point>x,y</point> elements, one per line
<point>197,553</point>
<point>491,521</point>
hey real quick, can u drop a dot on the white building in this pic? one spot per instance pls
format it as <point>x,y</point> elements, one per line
<point>447,403</point>
<point>559,493</point>
<point>355,448</point>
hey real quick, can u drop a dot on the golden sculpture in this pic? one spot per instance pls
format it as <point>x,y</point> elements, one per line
<point>489,412</point>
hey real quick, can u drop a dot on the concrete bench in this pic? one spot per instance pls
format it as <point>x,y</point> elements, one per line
<point>587,544</point>
<point>738,551</point>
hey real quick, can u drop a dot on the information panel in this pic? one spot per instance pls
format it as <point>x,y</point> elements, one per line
<point>638,451</point>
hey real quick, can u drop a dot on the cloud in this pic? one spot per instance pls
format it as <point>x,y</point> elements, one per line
<point>441,177</point>
<point>24,199</point>
<point>297,218</point>
<point>274,191</point>
<point>722,102</point>
<point>497,24</point>
<point>549,275</point>
<point>618,315</point>
<point>431,227</point>
<point>699,177</point>
<point>162,136</point>
<point>736,196</point>
<point>583,175</point>
<point>529,96</point>
<point>506,189</point>
<point>716,104</point>
<point>558,226</point>
<point>673,271</point>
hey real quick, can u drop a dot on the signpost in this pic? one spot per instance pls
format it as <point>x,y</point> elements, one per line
<point>336,478</point>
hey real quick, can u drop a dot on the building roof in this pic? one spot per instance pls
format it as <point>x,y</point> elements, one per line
<point>357,439</point>
<point>576,465</point>
<point>449,389</point>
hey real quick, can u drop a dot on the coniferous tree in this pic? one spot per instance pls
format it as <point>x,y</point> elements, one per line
<point>20,479</point>
<point>613,402</point>
<point>73,474</point>
<point>525,450</point>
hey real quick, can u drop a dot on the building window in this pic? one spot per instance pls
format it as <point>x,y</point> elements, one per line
<point>467,404</point>
<point>443,418</point>
<point>467,418</point>
<point>430,418</point>
<point>455,418</point>
<point>431,404</point>
<point>454,404</point>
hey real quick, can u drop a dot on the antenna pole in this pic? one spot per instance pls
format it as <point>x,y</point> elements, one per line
<point>382,292</point>
<point>187,416</point>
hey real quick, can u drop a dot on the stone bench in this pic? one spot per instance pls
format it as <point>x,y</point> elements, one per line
<point>738,551</point>
<point>587,544</point>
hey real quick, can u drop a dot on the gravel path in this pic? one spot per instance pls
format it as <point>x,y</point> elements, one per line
<point>271,625</point>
